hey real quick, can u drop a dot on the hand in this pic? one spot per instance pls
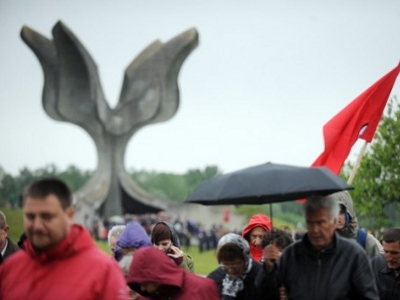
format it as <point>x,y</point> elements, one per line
<point>175,252</point>
<point>271,254</point>
<point>282,293</point>
<point>133,295</point>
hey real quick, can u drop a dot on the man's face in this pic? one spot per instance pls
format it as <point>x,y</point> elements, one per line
<point>320,227</point>
<point>256,236</point>
<point>392,254</point>
<point>45,221</point>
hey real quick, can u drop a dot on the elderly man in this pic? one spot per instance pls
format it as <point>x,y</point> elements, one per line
<point>113,236</point>
<point>387,266</point>
<point>60,260</point>
<point>7,247</point>
<point>322,265</point>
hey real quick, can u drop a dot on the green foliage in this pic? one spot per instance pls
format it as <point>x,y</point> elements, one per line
<point>12,187</point>
<point>377,194</point>
<point>15,220</point>
<point>173,186</point>
<point>204,262</point>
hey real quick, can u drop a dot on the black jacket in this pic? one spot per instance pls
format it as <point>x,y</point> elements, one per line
<point>250,291</point>
<point>11,248</point>
<point>387,280</point>
<point>342,271</point>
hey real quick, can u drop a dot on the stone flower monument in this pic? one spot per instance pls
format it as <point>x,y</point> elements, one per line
<point>72,93</point>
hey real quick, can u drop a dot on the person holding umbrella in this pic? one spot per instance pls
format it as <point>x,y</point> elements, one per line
<point>322,265</point>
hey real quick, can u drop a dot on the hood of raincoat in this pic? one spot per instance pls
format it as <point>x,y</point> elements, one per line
<point>351,227</point>
<point>152,265</point>
<point>174,235</point>
<point>134,236</point>
<point>235,239</point>
<point>257,220</point>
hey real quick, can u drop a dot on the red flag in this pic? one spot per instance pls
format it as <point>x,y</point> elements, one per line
<point>359,119</point>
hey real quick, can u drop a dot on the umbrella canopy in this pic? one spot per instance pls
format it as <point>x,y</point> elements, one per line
<point>267,183</point>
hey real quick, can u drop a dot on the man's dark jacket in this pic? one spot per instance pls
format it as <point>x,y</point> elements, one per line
<point>342,271</point>
<point>387,280</point>
<point>11,248</point>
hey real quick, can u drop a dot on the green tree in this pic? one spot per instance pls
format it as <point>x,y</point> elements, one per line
<point>172,186</point>
<point>74,177</point>
<point>377,195</point>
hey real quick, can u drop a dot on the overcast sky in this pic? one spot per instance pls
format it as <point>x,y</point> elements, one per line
<point>265,78</point>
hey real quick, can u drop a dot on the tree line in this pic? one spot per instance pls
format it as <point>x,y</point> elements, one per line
<point>163,185</point>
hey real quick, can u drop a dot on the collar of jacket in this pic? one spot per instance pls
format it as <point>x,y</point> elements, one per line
<point>77,239</point>
<point>307,249</point>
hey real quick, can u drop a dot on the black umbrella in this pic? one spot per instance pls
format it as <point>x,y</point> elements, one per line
<point>267,183</point>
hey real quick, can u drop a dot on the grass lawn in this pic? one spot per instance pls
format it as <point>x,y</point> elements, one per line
<point>204,262</point>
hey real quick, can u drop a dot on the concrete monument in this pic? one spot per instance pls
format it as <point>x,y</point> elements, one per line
<point>72,93</point>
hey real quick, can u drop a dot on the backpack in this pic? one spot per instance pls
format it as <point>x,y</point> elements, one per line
<point>361,237</point>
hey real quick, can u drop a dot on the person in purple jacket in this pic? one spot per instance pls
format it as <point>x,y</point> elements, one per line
<point>132,238</point>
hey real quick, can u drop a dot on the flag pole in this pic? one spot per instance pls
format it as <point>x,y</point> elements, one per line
<point>360,155</point>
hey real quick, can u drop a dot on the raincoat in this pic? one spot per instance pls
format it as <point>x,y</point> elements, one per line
<point>152,265</point>
<point>133,236</point>
<point>75,268</point>
<point>351,229</point>
<point>257,220</point>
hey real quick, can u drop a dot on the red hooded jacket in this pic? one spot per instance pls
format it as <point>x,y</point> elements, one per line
<point>152,265</point>
<point>75,268</point>
<point>257,220</point>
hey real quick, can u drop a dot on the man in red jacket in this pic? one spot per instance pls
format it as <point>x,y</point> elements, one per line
<point>155,276</point>
<point>254,231</point>
<point>60,260</point>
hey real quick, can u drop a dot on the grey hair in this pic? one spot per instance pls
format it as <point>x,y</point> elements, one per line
<point>115,231</point>
<point>3,220</point>
<point>317,202</point>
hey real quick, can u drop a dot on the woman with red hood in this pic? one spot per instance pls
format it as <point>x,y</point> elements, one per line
<point>254,231</point>
<point>153,275</point>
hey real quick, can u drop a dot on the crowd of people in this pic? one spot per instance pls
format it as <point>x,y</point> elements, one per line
<point>58,259</point>
<point>189,232</point>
